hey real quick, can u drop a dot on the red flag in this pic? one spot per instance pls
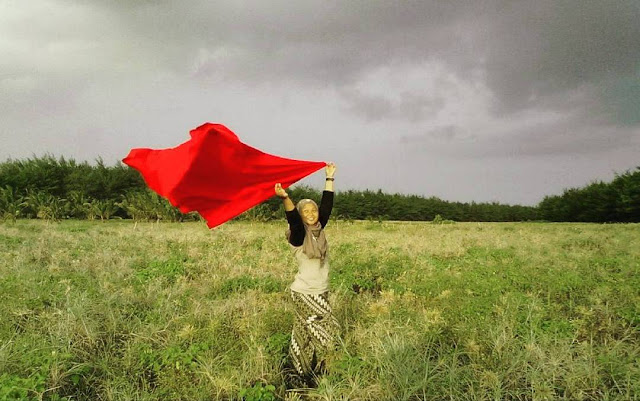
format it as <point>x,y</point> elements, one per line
<point>215,174</point>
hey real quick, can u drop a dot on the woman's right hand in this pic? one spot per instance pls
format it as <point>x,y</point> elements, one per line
<point>281,192</point>
<point>330,169</point>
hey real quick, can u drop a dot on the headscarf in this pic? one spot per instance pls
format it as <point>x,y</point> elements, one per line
<point>315,243</point>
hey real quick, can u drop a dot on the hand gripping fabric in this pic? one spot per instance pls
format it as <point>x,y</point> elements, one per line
<point>215,174</point>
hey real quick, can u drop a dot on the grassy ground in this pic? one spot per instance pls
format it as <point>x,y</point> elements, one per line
<point>478,311</point>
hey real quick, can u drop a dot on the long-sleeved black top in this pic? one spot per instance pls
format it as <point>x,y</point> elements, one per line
<point>297,226</point>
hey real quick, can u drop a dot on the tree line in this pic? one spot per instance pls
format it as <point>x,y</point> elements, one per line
<point>598,202</point>
<point>58,188</point>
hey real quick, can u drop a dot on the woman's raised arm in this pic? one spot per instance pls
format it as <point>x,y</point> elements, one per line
<point>296,238</point>
<point>330,170</point>
<point>288,204</point>
<point>326,204</point>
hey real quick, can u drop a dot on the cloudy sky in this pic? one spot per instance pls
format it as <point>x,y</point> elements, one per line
<point>503,101</point>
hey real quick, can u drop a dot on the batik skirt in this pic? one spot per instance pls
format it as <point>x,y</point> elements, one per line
<point>314,333</point>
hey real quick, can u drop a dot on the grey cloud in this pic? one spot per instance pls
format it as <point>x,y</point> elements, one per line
<point>536,50</point>
<point>410,106</point>
<point>315,42</point>
<point>566,138</point>
<point>621,100</point>
<point>530,52</point>
<point>574,58</point>
<point>446,133</point>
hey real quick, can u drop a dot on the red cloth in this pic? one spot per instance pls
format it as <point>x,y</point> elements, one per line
<point>215,174</point>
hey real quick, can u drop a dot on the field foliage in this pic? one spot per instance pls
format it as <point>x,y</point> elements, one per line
<point>173,311</point>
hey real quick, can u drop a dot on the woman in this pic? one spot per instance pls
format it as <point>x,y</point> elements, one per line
<point>315,327</point>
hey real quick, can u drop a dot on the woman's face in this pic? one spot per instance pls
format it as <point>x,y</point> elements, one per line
<point>309,214</point>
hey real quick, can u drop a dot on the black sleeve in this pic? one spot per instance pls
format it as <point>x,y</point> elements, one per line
<point>296,226</point>
<point>326,204</point>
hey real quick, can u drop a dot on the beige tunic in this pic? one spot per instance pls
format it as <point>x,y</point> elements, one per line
<point>313,275</point>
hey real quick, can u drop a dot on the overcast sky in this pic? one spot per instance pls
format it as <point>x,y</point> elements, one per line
<point>503,101</point>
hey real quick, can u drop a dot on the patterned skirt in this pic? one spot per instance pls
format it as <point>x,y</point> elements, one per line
<point>314,333</point>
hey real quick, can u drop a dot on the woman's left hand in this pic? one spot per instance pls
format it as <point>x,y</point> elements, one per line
<point>280,192</point>
<point>330,169</point>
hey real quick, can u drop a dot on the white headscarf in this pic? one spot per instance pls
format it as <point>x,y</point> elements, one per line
<point>315,243</point>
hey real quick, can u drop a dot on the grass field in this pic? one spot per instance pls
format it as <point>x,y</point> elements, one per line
<point>465,311</point>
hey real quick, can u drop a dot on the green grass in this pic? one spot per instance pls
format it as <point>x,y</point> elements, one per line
<point>477,311</point>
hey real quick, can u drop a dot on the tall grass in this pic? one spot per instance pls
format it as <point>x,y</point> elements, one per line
<point>148,311</point>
